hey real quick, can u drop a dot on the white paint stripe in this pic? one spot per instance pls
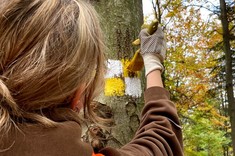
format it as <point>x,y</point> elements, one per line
<point>133,87</point>
<point>115,69</point>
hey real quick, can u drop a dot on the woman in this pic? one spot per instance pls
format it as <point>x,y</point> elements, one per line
<point>52,63</point>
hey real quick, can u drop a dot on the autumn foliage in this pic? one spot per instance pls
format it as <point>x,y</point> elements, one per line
<point>193,66</point>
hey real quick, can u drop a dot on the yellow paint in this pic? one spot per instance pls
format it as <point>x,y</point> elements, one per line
<point>114,87</point>
<point>126,72</point>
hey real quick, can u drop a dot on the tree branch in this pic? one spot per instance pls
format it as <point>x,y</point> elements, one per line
<point>201,6</point>
<point>155,10</point>
<point>232,29</point>
<point>232,37</point>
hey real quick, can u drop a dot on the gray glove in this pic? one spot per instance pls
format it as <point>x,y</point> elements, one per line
<point>153,50</point>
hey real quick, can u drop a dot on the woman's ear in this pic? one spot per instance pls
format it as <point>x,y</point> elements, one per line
<point>78,99</point>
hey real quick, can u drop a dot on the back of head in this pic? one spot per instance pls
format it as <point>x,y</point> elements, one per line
<point>48,49</point>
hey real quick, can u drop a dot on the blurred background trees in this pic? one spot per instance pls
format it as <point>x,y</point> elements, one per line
<point>200,71</point>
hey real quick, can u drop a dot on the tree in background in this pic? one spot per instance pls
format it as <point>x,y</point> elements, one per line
<point>227,37</point>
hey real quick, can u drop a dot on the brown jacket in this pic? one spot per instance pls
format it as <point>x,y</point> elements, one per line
<point>159,134</point>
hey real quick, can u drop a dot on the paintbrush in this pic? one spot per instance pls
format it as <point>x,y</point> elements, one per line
<point>137,62</point>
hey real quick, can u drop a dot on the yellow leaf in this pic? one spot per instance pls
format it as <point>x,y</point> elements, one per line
<point>170,14</point>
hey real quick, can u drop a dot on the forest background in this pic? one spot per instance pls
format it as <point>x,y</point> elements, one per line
<point>199,69</point>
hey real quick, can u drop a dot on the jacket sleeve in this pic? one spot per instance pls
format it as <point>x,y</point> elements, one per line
<point>159,133</point>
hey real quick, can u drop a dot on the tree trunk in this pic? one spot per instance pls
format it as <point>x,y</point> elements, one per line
<point>121,22</point>
<point>228,68</point>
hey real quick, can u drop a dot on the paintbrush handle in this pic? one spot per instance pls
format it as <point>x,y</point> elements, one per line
<point>152,27</point>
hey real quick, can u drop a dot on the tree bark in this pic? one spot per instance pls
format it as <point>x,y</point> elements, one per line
<point>121,21</point>
<point>228,68</point>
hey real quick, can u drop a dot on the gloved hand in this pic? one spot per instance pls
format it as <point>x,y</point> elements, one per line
<point>153,50</point>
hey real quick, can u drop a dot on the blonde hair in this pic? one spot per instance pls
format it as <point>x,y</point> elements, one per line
<point>48,49</point>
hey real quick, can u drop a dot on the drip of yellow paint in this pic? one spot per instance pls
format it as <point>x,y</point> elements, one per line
<point>127,72</point>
